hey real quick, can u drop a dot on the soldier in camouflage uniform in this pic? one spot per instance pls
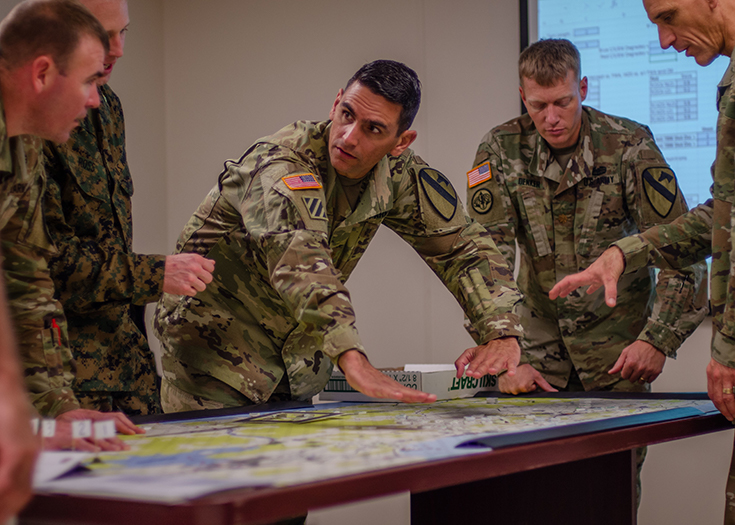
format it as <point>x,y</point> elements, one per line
<point>286,225</point>
<point>102,284</point>
<point>705,31</point>
<point>38,319</point>
<point>564,182</point>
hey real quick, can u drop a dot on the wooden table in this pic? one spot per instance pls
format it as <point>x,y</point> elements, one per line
<point>566,478</point>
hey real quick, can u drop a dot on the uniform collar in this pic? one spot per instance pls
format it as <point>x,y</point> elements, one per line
<point>729,72</point>
<point>580,164</point>
<point>377,197</point>
<point>100,114</point>
<point>726,81</point>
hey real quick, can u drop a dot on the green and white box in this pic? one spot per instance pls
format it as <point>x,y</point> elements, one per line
<point>434,379</point>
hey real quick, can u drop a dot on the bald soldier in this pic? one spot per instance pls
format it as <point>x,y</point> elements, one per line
<point>564,182</point>
<point>704,29</point>
<point>287,223</point>
<point>101,282</point>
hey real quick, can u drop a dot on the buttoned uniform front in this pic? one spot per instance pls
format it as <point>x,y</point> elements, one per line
<point>101,282</point>
<point>285,240</point>
<point>38,319</point>
<point>616,183</point>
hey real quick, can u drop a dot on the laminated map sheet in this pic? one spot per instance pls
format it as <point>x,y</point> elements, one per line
<point>183,460</point>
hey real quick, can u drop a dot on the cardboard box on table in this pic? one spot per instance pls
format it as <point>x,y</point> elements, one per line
<point>434,379</point>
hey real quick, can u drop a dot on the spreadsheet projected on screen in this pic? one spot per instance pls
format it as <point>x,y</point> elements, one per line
<point>630,76</point>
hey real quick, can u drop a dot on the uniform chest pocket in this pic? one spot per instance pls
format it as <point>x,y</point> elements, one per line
<point>535,223</point>
<point>588,232</point>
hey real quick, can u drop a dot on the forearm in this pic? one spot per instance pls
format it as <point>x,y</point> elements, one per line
<point>92,265</point>
<point>40,329</point>
<point>475,272</point>
<point>676,245</point>
<point>88,275</point>
<point>680,306</point>
<point>303,274</point>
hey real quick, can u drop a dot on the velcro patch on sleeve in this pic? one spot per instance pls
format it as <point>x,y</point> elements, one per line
<point>478,175</point>
<point>439,191</point>
<point>659,185</point>
<point>303,181</point>
<point>315,208</point>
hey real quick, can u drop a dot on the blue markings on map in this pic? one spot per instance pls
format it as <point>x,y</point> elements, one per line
<point>195,458</point>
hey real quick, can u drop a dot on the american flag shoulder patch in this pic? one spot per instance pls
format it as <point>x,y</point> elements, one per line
<point>479,175</point>
<point>303,181</point>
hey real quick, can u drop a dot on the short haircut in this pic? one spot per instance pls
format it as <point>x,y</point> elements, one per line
<point>394,81</point>
<point>548,61</point>
<point>47,27</point>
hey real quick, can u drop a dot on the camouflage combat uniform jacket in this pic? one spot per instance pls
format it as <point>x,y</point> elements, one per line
<point>616,183</point>
<point>284,247</point>
<point>102,284</point>
<point>705,230</point>
<point>38,319</point>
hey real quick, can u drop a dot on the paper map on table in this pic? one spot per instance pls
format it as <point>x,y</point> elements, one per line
<point>177,461</point>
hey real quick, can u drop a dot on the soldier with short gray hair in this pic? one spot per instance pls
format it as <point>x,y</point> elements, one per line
<point>704,31</point>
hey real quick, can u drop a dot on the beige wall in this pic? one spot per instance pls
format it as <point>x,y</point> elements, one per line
<point>235,71</point>
<point>202,80</point>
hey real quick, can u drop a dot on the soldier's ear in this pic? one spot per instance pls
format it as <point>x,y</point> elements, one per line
<point>583,88</point>
<point>333,111</point>
<point>520,90</point>
<point>404,141</point>
<point>43,73</point>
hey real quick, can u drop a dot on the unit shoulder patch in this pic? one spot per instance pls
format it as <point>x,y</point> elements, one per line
<point>302,181</point>
<point>659,185</point>
<point>482,201</point>
<point>440,192</point>
<point>315,207</point>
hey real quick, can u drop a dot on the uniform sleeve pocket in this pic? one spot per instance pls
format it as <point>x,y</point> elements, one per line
<point>52,353</point>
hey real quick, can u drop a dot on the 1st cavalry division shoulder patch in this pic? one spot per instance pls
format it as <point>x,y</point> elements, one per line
<point>660,187</point>
<point>439,191</point>
<point>302,181</point>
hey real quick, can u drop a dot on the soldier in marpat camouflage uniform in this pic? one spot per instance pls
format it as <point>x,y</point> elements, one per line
<point>39,323</point>
<point>705,31</point>
<point>286,225</point>
<point>102,284</point>
<point>564,182</point>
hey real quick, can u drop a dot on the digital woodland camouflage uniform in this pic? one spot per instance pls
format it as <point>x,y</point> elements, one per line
<point>705,230</point>
<point>615,184</point>
<point>102,284</point>
<point>39,322</point>
<point>277,314</point>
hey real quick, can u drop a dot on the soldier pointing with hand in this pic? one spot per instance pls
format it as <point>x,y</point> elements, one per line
<point>287,223</point>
